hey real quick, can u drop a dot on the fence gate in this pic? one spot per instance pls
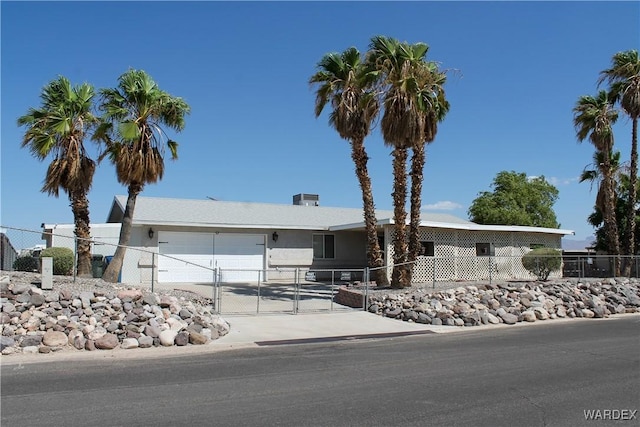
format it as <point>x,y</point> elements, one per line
<point>281,291</point>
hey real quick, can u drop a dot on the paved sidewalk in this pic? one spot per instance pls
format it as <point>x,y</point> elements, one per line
<point>287,328</point>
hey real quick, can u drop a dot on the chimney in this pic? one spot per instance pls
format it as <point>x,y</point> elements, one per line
<point>303,199</point>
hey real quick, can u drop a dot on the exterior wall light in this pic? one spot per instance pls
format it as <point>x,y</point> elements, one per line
<point>275,236</point>
<point>150,233</point>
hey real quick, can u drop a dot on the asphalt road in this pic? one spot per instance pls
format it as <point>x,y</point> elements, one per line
<point>542,375</point>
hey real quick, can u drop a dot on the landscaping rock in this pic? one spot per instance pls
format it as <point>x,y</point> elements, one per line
<point>87,313</point>
<point>55,339</point>
<point>511,303</point>
<point>106,342</point>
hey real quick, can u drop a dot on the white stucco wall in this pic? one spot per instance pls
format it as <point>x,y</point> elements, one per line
<point>104,236</point>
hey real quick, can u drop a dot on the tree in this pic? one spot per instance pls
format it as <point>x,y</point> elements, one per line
<point>434,106</point>
<point>624,81</point>
<point>593,118</point>
<point>132,133</point>
<point>622,206</point>
<point>593,174</point>
<point>346,83</point>
<point>516,200</point>
<point>58,128</point>
<point>402,75</point>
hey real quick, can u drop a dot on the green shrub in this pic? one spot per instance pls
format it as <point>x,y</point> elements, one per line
<point>62,260</point>
<point>26,263</point>
<point>542,261</point>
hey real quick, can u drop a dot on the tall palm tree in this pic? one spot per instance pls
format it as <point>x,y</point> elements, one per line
<point>345,82</point>
<point>58,128</point>
<point>134,140</point>
<point>624,81</point>
<point>433,104</point>
<point>593,118</point>
<point>403,73</point>
<point>593,174</point>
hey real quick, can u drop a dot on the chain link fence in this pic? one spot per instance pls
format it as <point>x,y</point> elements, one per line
<point>293,290</point>
<point>282,290</point>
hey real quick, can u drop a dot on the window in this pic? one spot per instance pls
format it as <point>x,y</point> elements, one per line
<point>485,249</point>
<point>427,249</point>
<point>324,246</point>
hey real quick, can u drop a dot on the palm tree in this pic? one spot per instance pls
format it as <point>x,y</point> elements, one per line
<point>593,174</point>
<point>134,113</point>
<point>407,84</point>
<point>624,81</point>
<point>58,128</point>
<point>621,193</point>
<point>433,104</point>
<point>593,118</point>
<point>345,82</point>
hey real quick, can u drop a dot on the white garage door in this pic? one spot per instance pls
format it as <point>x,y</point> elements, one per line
<point>191,257</point>
<point>240,257</point>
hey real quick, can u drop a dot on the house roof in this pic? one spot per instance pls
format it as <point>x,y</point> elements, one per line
<point>225,214</point>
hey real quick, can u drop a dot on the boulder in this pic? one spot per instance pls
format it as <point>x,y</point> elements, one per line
<point>31,341</point>
<point>145,341</point>
<point>182,338</point>
<point>129,343</point>
<point>76,339</point>
<point>167,337</point>
<point>197,338</point>
<point>528,316</point>
<point>55,339</point>
<point>106,342</point>
<point>541,313</point>
<point>508,318</point>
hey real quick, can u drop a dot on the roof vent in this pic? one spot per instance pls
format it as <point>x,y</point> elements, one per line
<point>303,199</point>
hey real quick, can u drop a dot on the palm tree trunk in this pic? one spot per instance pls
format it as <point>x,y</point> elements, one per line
<point>80,209</point>
<point>609,214</point>
<point>400,276</point>
<point>629,244</point>
<point>374,255</point>
<point>417,174</point>
<point>112,271</point>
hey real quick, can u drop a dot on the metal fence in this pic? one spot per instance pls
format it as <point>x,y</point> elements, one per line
<point>296,290</point>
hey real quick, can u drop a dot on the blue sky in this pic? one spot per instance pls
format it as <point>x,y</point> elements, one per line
<point>517,69</point>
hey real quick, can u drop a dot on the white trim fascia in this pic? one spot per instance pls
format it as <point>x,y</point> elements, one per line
<point>73,226</point>
<point>357,225</point>
<point>482,227</point>
<point>220,225</point>
<point>465,226</point>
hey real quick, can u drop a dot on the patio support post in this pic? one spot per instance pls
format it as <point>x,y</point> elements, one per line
<point>367,275</point>
<point>296,291</point>
<point>216,290</point>
<point>258,299</point>
<point>75,257</point>
<point>153,264</point>
<point>433,285</point>
<point>490,268</point>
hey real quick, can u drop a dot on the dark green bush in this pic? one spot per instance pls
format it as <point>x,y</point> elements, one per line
<point>542,261</point>
<point>62,260</point>
<point>26,263</point>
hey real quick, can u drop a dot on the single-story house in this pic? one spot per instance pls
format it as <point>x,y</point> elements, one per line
<point>182,241</point>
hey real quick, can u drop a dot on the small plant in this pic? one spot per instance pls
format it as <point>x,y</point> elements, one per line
<point>542,261</point>
<point>26,263</point>
<point>62,260</point>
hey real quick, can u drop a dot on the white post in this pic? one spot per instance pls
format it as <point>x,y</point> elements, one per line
<point>47,273</point>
